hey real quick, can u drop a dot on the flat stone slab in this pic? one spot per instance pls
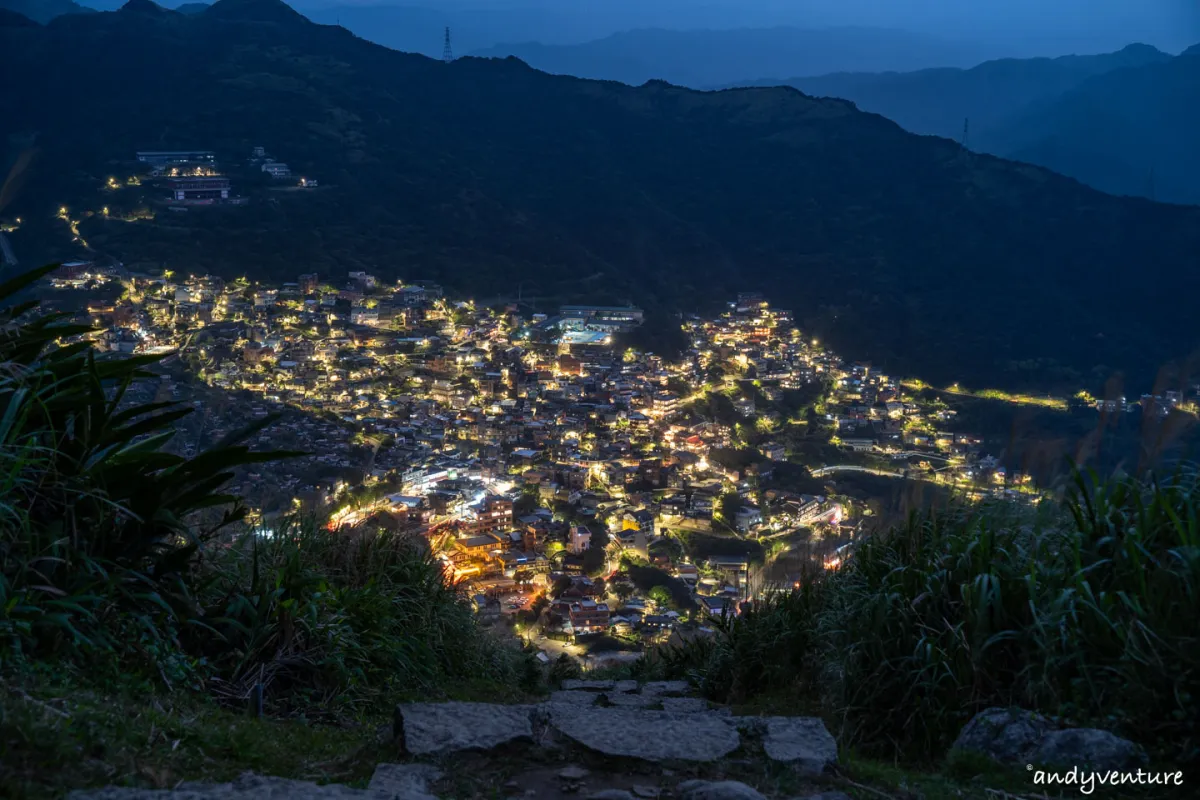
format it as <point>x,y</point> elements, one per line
<point>405,781</point>
<point>625,686</point>
<point>684,705</point>
<point>631,700</point>
<point>426,728</point>
<point>718,790</point>
<point>247,787</point>
<point>801,741</point>
<point>575,698</point>
<point>587,686</point>
<point>667,688</point>
<point>648,735</point>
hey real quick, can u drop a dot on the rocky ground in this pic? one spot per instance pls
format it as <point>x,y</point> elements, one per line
<point>606,740</point>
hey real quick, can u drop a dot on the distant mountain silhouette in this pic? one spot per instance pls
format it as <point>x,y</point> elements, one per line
<point>14,19</point>
<point>1133,131</point>
<point>487,175</point>
<point>44,10</point>
<point>143,7</point>
<point>700,58</point>
<point>1109,120</point>
<point>937,101</point>
<point>275,11</point>
<point>192,8</point>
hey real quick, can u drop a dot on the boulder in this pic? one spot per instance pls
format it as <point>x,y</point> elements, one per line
<point>648,735</point>
<point>803,742</point>
<point>717,790</point>
<point>684,705</point>
<point>625,686</point>
<point>247,787</point>
<point>611,794</point>
<point>666,688</point>
<point>589,686</point>
<point>1020,738</point>
<point>1008,736</point>
<point>405,781</point>
<point>427,728</point>
<point>1088,748</point>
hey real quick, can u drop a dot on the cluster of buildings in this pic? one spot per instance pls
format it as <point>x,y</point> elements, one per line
<point>563,478</point>
<point>190,177</point>
<point>194,177</point>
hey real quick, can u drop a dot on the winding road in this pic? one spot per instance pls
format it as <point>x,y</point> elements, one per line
<point>887,473</point>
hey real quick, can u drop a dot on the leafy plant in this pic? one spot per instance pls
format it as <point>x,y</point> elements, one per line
<point>1084,608</point>
<point>99,523</point>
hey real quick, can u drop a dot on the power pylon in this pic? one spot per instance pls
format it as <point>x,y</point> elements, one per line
<point>447,53</point>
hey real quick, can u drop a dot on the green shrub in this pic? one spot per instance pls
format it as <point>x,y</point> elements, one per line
<point>99,525</point>
<point>117,556</point>
<point>1088,608</point>
<point>763,649</point>
<point>314,614</point>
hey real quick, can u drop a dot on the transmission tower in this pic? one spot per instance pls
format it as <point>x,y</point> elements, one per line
<point>447,53</point>
<point>966,131</point>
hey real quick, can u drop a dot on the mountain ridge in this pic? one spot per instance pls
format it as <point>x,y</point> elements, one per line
<point>486,174</point>
<point>700,58</point>
<point>43,11</point>
<point>1144,145</point>
<point>1042,111</point>
<point>985,92</point>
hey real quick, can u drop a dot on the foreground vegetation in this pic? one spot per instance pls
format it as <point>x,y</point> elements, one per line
<point>120,561</point>
<point>1085,609</point>
<point>148,634</point>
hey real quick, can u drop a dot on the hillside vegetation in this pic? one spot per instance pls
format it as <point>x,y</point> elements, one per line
<point>938,101</point>
<point>143,618</point>
<point>485,174</point>
<point>1083,609</point>
<point>124,567</point>
<point>1121,122</point>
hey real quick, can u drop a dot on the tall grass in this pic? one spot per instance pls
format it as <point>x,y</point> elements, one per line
<point>1087,609</point>
<point>118,556</point>
<point>313,614</point>
<point>766,647</point>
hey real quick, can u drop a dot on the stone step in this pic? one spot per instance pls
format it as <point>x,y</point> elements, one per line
<point>684,730</point>
<point>259,787</point>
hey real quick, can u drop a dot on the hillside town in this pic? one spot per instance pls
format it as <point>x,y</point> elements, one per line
<point>592,495</point>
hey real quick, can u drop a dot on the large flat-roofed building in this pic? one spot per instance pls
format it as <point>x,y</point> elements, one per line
<point>610,318</point>
<point>163,158</point>
<point>206,188</point>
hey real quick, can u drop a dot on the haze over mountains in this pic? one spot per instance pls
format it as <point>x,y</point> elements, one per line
<point>486,174</point>
<point>1013,28</point>
<point>1123,122</point>
<point>703,58</point>
<point>44,10</point>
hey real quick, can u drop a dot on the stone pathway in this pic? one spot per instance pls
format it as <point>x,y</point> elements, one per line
<point>633,737</point>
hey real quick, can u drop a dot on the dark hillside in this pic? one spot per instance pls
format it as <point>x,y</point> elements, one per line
<point>902,249</point>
